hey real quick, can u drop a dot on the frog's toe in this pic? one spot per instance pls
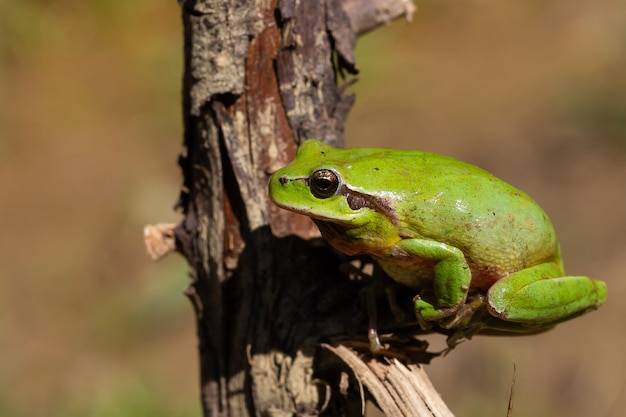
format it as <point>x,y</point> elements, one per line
<point>375,345</point>
<point>427,314</point>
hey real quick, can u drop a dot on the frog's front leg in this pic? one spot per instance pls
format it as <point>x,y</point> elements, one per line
<point>451,276</point>
<point>541,294</point>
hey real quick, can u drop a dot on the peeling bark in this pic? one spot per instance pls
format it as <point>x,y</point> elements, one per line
<point>261,77</point>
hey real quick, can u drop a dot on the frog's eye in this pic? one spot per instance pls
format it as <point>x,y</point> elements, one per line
<point>324,183</point>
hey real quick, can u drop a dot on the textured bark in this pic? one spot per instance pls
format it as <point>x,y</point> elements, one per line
<point>260,77</point>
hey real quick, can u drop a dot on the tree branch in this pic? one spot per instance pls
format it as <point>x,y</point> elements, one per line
<point>400,390</point>
<point>366,15</point>
<point>260,77</point>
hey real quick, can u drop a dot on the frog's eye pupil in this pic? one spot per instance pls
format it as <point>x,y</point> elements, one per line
<point>324,183</point>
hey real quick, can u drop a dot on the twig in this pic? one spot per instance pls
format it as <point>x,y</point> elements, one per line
<point>399,390</point>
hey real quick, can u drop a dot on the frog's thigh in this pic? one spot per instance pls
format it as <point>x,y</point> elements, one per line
<point>452,275</point>
<point>539,295</point>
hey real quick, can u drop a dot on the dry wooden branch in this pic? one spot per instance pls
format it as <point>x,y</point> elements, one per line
<point>400,390</point>
<point>368,15</point>
<point>159,240</point>
<point>259,78</point>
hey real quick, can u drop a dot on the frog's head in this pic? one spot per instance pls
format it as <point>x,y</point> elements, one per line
<point>322,183</point>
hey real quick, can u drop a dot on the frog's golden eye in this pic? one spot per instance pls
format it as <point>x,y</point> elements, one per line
<point>324,183</point>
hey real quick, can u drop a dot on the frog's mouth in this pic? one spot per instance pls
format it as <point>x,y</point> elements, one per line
<point>330,228</point>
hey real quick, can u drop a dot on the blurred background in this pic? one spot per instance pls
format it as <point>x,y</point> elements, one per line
<point>90,130</point>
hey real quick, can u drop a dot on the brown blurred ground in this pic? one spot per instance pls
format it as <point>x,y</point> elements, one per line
<point>89,134</point>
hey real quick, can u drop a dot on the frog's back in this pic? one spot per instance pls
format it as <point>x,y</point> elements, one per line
<point>443,199</point>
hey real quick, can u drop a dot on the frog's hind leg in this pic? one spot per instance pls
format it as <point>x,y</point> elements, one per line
<point>541,295</point>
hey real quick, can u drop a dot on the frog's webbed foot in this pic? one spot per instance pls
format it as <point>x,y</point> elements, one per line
<point>470,319</point>
<point>374,340</point>
<point>428,315</point>
<point>462,333</point>
<point>463,315</point>
<point>459,322</point>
